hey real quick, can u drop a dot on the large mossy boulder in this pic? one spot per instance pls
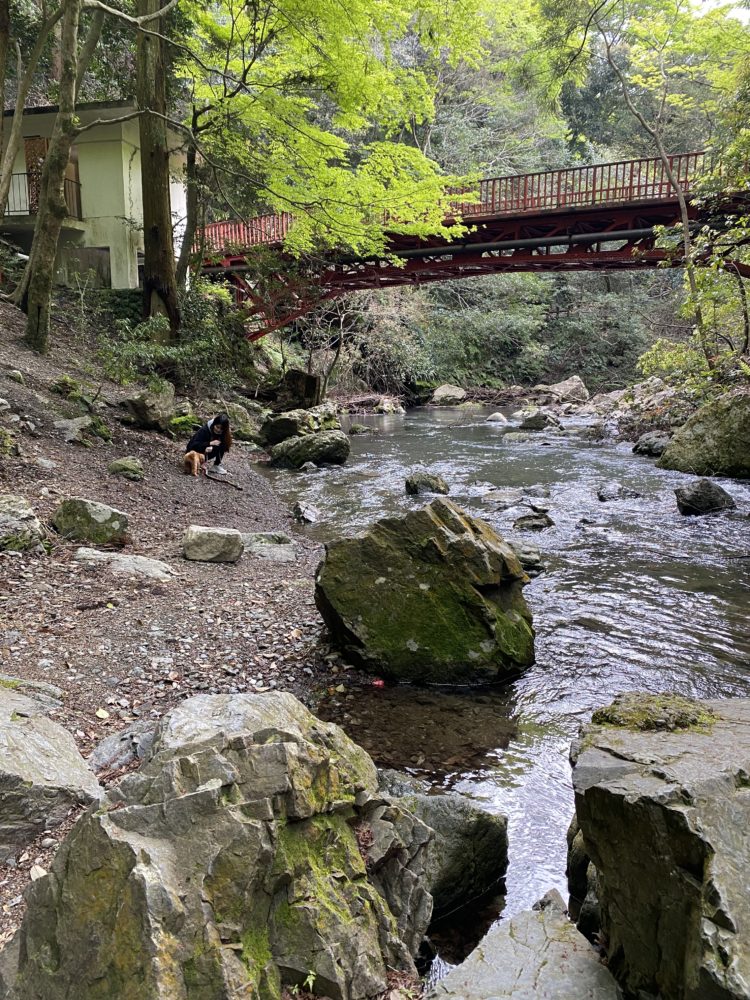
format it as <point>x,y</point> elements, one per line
<point>426,482</point>
<point>434,596</point>
<point>448,395</point>
<point>715,441</point>
<point>90,521</point>
<point>42,774</point>
<point>662,801</point>
<point>20,529</point>
<point>322,448</point>
<point>231,865</point>
<point>152,409</point>
<point>278,427</point>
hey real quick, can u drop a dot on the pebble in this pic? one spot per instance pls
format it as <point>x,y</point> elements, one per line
<point>48,842</point>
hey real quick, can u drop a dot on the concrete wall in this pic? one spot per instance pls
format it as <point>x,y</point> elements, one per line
<point>109,168</point>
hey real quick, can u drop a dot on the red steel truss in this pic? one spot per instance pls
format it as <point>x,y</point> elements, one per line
<point>601,217</point>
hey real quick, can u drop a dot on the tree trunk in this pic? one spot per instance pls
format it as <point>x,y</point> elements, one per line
<point>159,276</point>
<point>4,47</point>
<point>34,292</point>
<point>25,77</point>
<point>191,215</point>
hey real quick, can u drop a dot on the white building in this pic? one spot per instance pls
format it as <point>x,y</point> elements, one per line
<point>104,229</point>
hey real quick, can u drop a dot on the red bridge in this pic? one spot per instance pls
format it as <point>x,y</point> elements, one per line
<point>600,217</point>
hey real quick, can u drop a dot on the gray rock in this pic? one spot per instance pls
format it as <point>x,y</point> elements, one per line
<point>229,865</point>
<point>355,429</point>
<point>652,443</point>
<point>74,430</point>
<point>45,696</point>
<point>497,418</point>
<point>123,748</point>
<point>507,497</point>
<point>533,522</point>
<point>152,410</point>
<point>308,467</point>
<point>274,546</point>
<point>126,565</point>
<point>203,544</point>
<point>4,406</point>
<point>305,513</point>
<point>322,447</point>
<point>20,529</point>
<point>42,774</point>
<point>703,497</point>
<point>529,556</point>
<point>448,395</point>
<point>278,427</point>
<point>540,420</point>
<point>89,521</point>
<point>468,855</point>
<point>128,467</point>
<point>387,405</point>
<point>434,596</point>
<point>570,390</point>
<point>46,463</point>
<point>715,441</point>
<point>616,491</point>
<point>426,482</point>
<point>537,954</point>
<point>518,437</point>
<point>661,794</point>
<point>16,376</point>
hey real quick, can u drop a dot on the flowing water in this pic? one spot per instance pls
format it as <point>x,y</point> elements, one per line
<point>634,597</point>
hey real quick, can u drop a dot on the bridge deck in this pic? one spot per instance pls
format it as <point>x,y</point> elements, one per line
<point>579,218</point>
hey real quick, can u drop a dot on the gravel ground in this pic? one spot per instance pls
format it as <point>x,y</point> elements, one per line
<point>123,649</point>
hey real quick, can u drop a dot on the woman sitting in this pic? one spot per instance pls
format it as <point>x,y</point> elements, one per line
<point>213,441</point>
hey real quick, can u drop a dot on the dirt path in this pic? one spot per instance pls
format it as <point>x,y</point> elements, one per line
<point>127,646</point>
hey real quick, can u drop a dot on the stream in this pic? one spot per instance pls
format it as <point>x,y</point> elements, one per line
<point>634,597</point>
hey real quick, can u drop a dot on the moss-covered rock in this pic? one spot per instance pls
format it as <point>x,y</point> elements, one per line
<point>426,482</point>
<point>278,427</point>
<point>228,866</point>
<point>644,712</point>
<point>20,529</point>
<point>8,444</point>
<point>322,447</point>
<point>89,521</point>
<point>715,441</point>
<point>152,409</point>
<point>432,597</point>
<point>128,467</point>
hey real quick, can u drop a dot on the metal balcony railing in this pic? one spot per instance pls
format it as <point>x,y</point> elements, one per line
<point>23,198</point>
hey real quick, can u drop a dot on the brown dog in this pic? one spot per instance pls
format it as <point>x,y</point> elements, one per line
<point>193,462</point>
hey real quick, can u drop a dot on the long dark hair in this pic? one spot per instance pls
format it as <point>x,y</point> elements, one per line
<point>226,435</point>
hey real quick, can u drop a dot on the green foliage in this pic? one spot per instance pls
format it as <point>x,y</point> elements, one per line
<point>212,351</point>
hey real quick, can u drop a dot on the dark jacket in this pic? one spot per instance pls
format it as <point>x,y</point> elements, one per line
<point>201,441</point>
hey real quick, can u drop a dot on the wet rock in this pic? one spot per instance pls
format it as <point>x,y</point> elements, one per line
<point>323,447</point>
<point>202,544</point>
<point>715,441</point>
<point>529,556</point>
<point>42,774</point>
<point>278,427</point>
<point>124,748</point>
<point>506,498</point>
<point>434,596</point>
<point>703,496</point>
<point>537,490</point>
<point>540,420</point>
<point>652,443</point>
<point>271,545</point>
<point>518,437</point>
<point>538,953</point>
<point>128,467</point>
<point>89,521</point>
<point>660,788</point>
<point>616,491</point>
<point>305,513</point>
<point>388,405</point>
<point>75,430</point>
<point>126,564</point>
<point>570,390</point>
<point>497,418</point>
<point>152,409</point>
<point>448,395</point>
<point>533,522</point>
<point>355,429</point>
<point>229,865</point>
<point>20,529</point>
<point>426,482</point>
<point>468,855</point>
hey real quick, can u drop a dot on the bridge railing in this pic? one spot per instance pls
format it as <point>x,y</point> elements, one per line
<point>601,184</point>
<point>624,182</point>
